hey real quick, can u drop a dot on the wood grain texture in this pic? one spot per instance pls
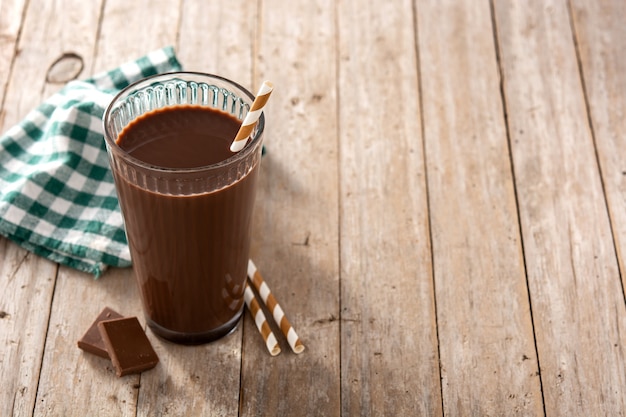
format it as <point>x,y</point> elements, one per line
<point>130,29</point>
<point>441,209</point>
<point>386,273</point>
<point>573,276</point>
<point>295,226</point>
<point>228,43</point>
<point>601,36</point>
<point>193,380</point>
<point>29,280</point>
<point>11,13</point>
<point>488,360</point>
<point>76,383</point>
<point>46,35</point>
<point>48,31</point>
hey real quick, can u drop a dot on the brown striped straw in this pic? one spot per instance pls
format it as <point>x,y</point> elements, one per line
<point>261,322</point>
<point>272,305</point>
<point>251,118</point>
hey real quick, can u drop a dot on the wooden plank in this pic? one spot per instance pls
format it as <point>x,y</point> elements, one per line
<point>32,66</point>
<point>227,40</point>
<point>11,13</point>
<point>390,363</point>
<point>601,36</point>
<point>296,237</point>
<point>130,29</point>
<point>488,359</point>
<point>45,36</point>
<point>577,299</point>
<point>76,383</point>
<point>27,284</point>
<point>94,388</point>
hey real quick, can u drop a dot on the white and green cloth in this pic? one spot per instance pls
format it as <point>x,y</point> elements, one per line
<point>57,197</point>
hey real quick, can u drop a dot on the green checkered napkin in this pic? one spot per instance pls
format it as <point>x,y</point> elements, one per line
<point>57,197</point>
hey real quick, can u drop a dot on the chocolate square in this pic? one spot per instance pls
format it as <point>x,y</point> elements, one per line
<point>92,341</point>
<point>128,346</point>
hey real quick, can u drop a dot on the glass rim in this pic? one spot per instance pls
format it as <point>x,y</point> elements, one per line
<point>114,147</point>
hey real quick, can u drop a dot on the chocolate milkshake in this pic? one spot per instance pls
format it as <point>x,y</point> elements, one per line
<point>187,203</point>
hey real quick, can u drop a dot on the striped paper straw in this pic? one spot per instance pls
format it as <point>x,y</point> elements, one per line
<point>261,322</point>
<point>272,305</point>
<point>253,115</point>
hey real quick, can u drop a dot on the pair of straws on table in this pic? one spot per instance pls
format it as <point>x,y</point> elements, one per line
<point>255,278</point>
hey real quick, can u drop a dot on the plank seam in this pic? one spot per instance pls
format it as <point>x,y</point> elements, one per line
<point>428,199</point>
<point>592,132</point>
<point>45,338</point>
<point>496,42</point>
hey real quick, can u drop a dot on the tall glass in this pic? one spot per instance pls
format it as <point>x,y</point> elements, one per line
<point>188,229</point>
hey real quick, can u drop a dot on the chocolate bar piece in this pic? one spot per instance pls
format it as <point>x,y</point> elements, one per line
<point>128,346</point>
<point>92,341</point>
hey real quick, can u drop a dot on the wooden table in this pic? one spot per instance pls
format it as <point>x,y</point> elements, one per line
<point>442,210</point>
